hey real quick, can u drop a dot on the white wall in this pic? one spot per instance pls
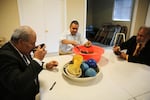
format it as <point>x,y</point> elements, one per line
<point>147,22</point>
<point>76,9</point>
<point>46,17</point>
<point>50,18</point>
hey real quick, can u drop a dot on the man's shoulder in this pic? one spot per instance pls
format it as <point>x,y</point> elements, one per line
<point>148,43</point>
<point>133,37</point>
<point>7,50</point>
<point>66,32</point>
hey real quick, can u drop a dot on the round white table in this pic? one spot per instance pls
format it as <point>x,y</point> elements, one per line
<point>118,80</point>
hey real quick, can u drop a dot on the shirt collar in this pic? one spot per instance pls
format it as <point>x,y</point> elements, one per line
<point>16,49</point>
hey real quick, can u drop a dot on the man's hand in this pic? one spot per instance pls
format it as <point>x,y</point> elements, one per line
<point>40,53</point>
<point>51,64</point>
<point>116,50</point>
<point>123,55</point>
<point>88,44</point>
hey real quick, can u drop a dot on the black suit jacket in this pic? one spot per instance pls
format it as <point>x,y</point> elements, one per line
<point>17,79</point>
<point>143,57</point>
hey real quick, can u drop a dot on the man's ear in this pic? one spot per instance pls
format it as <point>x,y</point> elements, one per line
<point>20,42</point>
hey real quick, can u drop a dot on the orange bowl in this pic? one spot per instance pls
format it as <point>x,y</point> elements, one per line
<point>93,52</point>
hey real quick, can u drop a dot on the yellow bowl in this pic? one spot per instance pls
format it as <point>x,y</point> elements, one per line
<point>78,78</point>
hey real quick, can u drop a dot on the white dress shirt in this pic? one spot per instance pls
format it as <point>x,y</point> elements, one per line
<point>68,47</point>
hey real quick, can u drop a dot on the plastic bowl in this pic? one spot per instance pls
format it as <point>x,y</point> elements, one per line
<point>80,79</point>
<point>95,52</point>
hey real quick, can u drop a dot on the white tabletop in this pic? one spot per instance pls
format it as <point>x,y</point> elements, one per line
<point>118,80</point>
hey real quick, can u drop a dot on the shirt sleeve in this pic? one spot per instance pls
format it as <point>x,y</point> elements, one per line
<point>43,64</point>
<point>63,35</point>
<point>83,39</point>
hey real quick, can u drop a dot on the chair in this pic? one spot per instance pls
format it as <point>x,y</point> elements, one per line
<point>118,38</point>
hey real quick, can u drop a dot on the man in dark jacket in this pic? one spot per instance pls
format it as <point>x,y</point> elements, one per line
<point>138,47</point>
<point>18,70</point>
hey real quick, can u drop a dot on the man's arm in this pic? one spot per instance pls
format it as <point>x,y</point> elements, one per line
<point>65,41</point>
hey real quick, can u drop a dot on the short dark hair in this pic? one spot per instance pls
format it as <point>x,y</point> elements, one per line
<point>74,22</point>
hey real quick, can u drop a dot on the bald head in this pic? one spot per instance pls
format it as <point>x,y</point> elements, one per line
<point>22,32</point>
<point>24,39</point>
<point>143,34</point>
<point>145,29</point>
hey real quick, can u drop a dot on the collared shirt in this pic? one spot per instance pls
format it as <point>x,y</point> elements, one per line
<point>137,50</point>
<point>27,61</point>
<point>68,47</point>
